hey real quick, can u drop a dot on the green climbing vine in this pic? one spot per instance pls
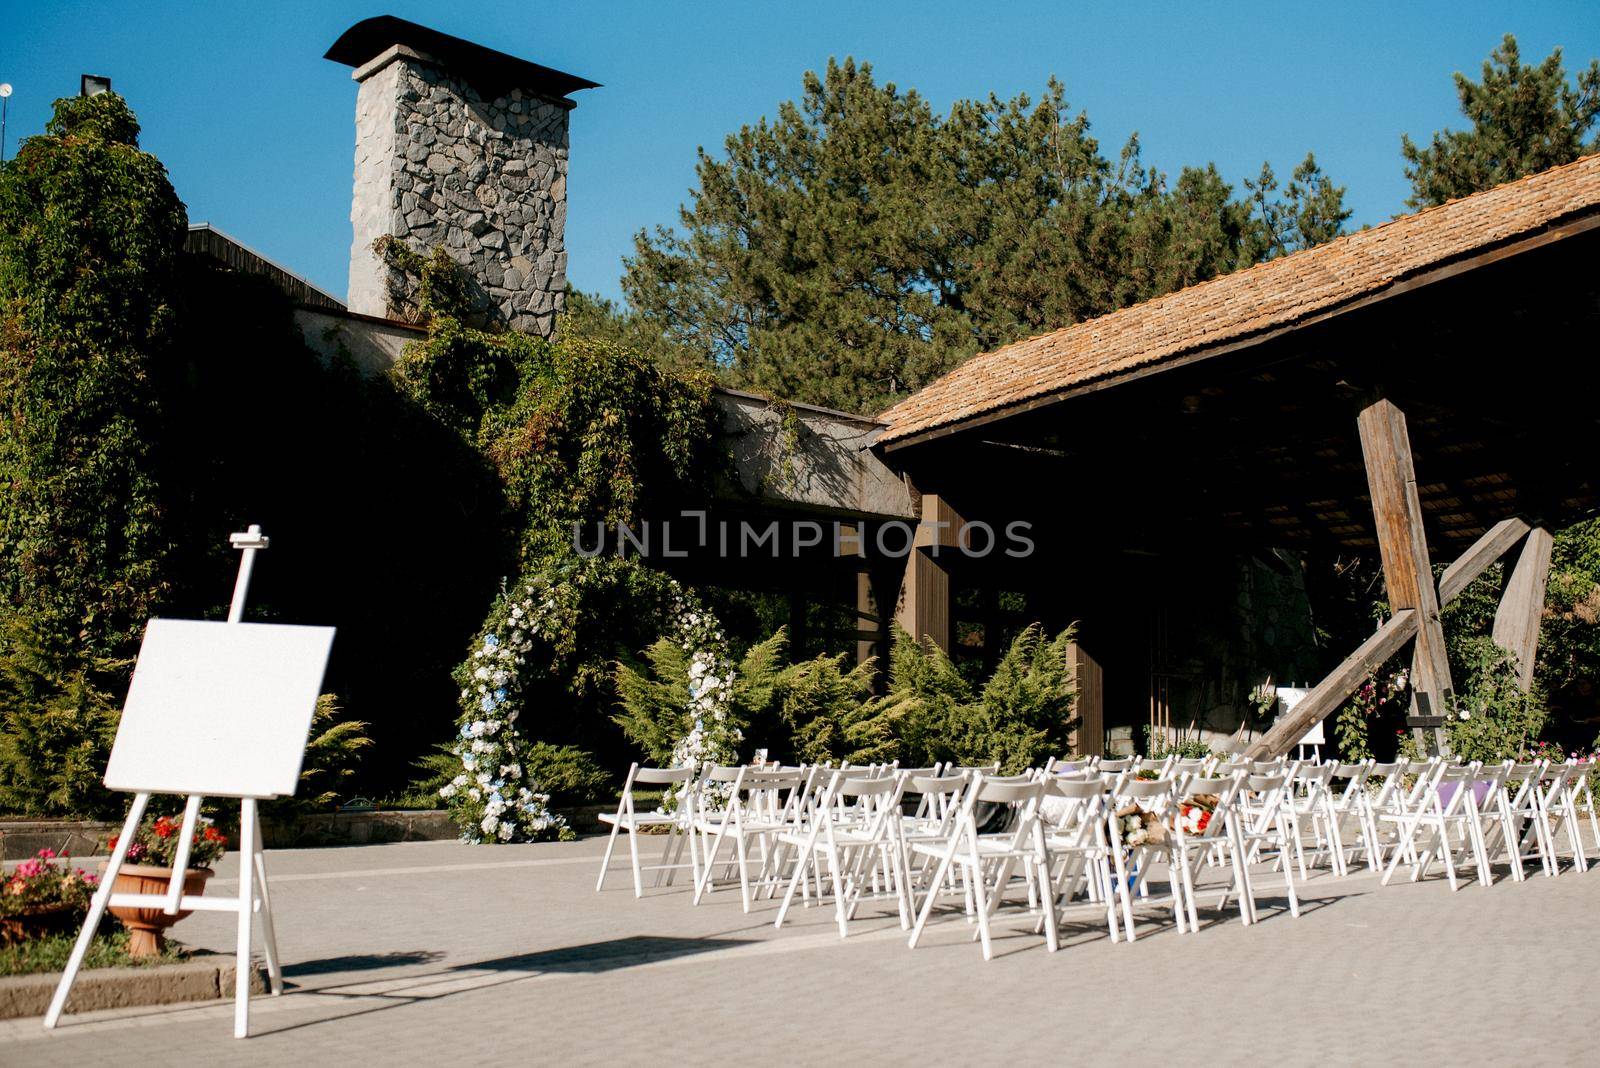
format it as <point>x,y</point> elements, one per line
<point>90,237</point>
<point>582,431</point>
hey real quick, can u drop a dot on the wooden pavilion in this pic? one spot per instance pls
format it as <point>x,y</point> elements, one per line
<point>1425,388</point>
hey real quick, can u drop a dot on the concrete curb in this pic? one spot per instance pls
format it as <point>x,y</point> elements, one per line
<point>204,977</point>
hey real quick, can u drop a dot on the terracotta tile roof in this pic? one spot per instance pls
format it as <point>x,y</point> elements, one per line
<point>1236,306</point>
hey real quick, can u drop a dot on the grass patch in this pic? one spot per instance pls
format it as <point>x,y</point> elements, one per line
<point>49,954</point>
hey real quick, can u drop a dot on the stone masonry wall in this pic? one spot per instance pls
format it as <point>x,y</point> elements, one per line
<point>486,180</point>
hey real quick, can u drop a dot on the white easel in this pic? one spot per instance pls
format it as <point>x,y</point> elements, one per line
<point>1315,737</point>
<point>238,699</point>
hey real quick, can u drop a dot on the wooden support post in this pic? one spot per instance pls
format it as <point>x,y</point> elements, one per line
<point>925,599</point>
<point>1516,622</point>
<point>1088,738</point>
<point>1332,691</point>
<point>1403,545</point>
<point>868,619</point>
<point>924,609</point>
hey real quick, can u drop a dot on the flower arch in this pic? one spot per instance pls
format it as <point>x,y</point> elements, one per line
<point>494,795</point>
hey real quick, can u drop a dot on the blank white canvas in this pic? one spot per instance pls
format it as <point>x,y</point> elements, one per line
<point>1291,696</point>
<point>221,709</point>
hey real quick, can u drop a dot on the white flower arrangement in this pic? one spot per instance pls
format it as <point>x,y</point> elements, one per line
<point>493,799</point>
<point>712,736</point>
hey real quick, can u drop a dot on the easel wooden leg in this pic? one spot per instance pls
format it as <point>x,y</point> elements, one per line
<point>269,935</point>
<point>97,910</point>
<point>241,963</point>
<point>180,861</point>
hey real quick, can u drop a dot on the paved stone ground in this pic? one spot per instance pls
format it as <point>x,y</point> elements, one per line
<point>434,953</point>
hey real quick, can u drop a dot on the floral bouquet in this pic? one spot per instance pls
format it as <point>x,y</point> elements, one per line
<point>1139,827</point>
<point>41,897</point>
<point>1194,814</point>
<point>155,843</point>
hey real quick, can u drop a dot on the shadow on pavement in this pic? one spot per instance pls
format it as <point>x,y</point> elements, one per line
<point>455,979</point>
<point>361,962</point>
<point>604,956</point>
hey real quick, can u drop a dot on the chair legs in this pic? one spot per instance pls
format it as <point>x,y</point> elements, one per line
<point>611,844</point>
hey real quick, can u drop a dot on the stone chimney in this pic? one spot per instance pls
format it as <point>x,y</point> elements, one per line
<point>465,148</point>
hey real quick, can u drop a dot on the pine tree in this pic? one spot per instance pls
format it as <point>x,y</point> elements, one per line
<point>1310,212</point>
<point>1524,120</point>
<point>858,245</point>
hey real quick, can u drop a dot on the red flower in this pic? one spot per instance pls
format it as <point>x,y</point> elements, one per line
<point>163,828</point>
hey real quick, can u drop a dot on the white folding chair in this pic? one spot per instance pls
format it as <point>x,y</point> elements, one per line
<point>1443,812</point>
<point>1583,796</point>
<point>759,806</point>
<point>1265,825</point>
<point>855,827</point>
<point>1345,805</point>
<point>1311,798</point>
<point>1493,821</point>
<point>987,858</point>
<point>1133,862</point>
<point>680,823</point>
<point>1558,805</point>
<point>1079,847</point>
<point>1522,798</point>
<point>1190,849</point>
<point>1379,784</point>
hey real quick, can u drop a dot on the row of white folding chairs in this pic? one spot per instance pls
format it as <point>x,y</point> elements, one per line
<point>1478,815</point>
<point>1367,810</point>
<point>1364,809</point>
<point>852,835</point>
<point>839,825</point>
<point>1262,811</point>
<point>1081,851</point>
<point>1342,811</point>
<point>742,807</point>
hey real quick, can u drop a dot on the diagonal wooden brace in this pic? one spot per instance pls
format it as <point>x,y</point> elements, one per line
<point>1331,692</point>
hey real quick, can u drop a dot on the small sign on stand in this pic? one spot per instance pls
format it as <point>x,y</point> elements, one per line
<point>213,710</point>
<point>1315,737</point>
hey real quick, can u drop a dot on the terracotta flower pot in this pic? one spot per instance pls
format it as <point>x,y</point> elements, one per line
<point>146,926</point>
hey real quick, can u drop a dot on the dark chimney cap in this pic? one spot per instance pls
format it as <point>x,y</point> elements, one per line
<point>492,74</point>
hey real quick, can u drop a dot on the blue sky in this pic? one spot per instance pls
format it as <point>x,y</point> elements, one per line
<point>257,129</point>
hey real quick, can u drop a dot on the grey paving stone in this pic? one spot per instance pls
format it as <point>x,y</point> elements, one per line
<point>435,953</point>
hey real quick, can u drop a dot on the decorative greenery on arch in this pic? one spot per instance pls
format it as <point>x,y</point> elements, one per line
<point>581,431</point>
